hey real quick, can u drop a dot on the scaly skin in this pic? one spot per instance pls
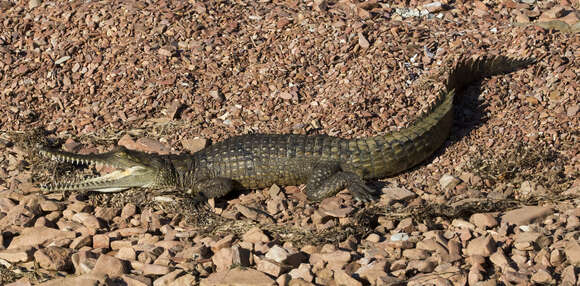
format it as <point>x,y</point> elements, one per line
<point>326,164</point>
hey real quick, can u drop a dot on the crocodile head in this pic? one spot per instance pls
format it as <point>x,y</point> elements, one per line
<point>133,169</point>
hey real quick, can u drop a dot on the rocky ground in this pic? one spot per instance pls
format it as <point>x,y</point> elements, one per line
<point>498,204</point>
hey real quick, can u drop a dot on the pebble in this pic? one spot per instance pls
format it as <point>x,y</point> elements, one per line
<point>342,278</point>
<point>572,250</point>
<point>483,245</point>
<point>448,182</point>
<point>238,276</point>
<point>35,236</point>
<point>397,193</point>
<point>484,220</point>
<point>303,271</point>
<point>15,255</point>
<point>110,265</point>
<point>255,235</point>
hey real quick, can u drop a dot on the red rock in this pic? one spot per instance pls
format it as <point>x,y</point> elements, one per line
<point>484,220</point>
<point>18,216</point>
<point>270,267</point>
<point>84,261</point>
<point>277,254</point>
<point>194,145</point>
<point>54,258</point>
<point>154,269</point>
<point>241,256</point>
<point>572,250</point>
<point>88,279</point>
<point>20,282</point>
<point>240,277</point>
<point>342,278</point>
<point>303,271</point>
<point>569,276</point>
<point>483,245</point>
<point>100,241</point>
<point>255,235</point>
<point>35,236</point>
<point>168,279</point>
<point>397,193</point>
<point>128,211</point>
<point>185,280</point>
<point>126,253</point>
<point>110,265</point>
<point>415,253</point>
<point>16,255</point>
<point>222,259</point>
<point>81,241</point>
<point>374,271</point>
<point>134,280</point>
<point>425,266</point>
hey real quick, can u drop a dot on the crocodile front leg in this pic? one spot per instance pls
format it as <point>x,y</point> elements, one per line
<point>329,179</point>
<point>215,187</point>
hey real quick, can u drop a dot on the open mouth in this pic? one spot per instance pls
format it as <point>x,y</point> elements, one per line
<point>130,170</point>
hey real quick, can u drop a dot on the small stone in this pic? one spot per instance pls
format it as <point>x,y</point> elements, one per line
<point>168,279</point>
<point>223,259</point>
<point>54,258</point>
<point>448,182</point>
<point>484,220</point>
<point>81,241</point>
<point>155,269</point>
<point>128,211</point>
<point>194,145</point>
<point>569,276</point>
<point>270,267</point>
<point>225,242</point>
<point>303,271</point>
<point>110,265</point>
<point>277,254</point>
<point>167,51</point>
<point>362,41</point>
<point>255,235</point>
<point>342,278</point>
<point>483,245</point>
<point>572,110</point>
<point>126,253</point>
<point>424,266</point>
<point>373,237</point>
<point>101,241</point>
<point>240,256</point>
<point>542,277</point>
<point>572,250</point>
<point>33,4</point>
<point>435,7</point>
<point>397,193</point>
<point>526,215</point>
<point>15,255</point>
<point>135,280</point>
<point>238,276</point>
<point>415,253</point>
<point>34,236</point>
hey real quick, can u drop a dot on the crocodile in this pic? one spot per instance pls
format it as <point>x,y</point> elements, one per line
<point>326,164</point>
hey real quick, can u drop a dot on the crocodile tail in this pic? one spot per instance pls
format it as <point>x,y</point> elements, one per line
<point>410,146</point>
<point>472,69</point>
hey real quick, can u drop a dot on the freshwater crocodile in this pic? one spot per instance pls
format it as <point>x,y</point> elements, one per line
<point>325,164</point>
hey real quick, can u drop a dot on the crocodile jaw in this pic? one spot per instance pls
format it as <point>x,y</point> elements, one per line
<point>133,170</point>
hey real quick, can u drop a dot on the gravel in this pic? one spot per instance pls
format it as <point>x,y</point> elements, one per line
<point>498,204</point>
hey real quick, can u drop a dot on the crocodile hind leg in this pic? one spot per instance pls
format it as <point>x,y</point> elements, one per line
<point>328,179</point>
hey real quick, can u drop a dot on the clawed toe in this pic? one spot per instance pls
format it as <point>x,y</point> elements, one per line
<point>362,193</point>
